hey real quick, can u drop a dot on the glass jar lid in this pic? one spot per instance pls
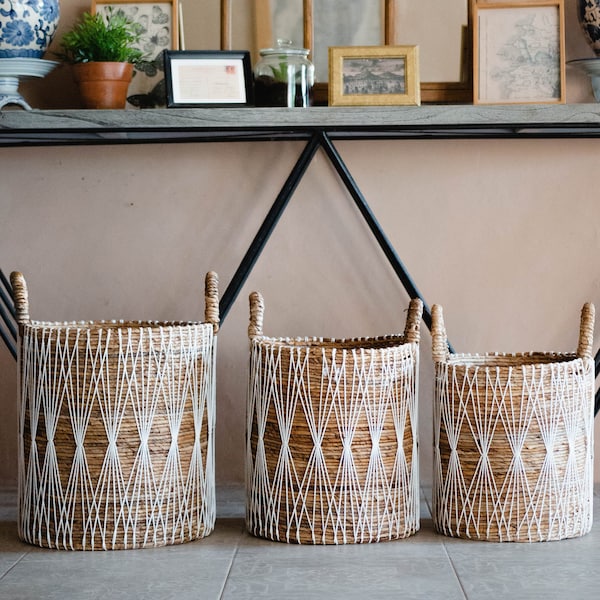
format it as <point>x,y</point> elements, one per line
<point>284,47</point>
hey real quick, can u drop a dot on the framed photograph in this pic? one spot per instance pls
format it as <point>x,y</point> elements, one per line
<point>519,52</point>
<point>374,75</point>
<point>208,78</point>
<point>160,31</point>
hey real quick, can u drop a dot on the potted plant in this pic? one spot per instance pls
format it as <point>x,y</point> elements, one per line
<point>284,76</point>
<point>102,51</point>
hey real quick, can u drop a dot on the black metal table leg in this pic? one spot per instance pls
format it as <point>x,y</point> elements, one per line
<point>8,316</point>
<point>597,372</point>
<point>10,344</point>
<point>240,276</point>
<point>375,227</point>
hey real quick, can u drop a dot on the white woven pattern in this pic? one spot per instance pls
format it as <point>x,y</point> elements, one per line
<point>314,484</point>
<point>92,400</point>
<point>529,432</point>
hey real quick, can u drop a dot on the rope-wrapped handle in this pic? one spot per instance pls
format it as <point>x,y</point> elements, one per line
<point>21,297</point>
<point>257,311</point>
<point>586,331</point>
<point>211,300</point>
<point>439,339</point>
<point>412,332</point>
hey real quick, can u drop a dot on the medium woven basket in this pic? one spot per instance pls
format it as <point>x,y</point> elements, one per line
<point>116,430</point>
<point>513,447</point>
<point>332,436</point>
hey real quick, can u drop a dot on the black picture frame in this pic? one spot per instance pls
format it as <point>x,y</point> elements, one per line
<point>208,78</point>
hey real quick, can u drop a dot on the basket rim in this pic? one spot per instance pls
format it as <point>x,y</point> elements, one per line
<point>114,324</point>
<point>522,359</point>
<point>382,341</point>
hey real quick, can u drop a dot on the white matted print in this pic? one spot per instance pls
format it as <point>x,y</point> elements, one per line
<point>519,53</point>
<point>159,26</point>
<point>208,78</point>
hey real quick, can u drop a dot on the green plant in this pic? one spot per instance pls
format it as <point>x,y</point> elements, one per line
<point>280,72</point>
<point>106,38</point>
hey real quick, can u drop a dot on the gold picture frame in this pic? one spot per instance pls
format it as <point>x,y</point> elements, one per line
<point>374,76</point>
<point>519,52</point>
<point>160,23</point>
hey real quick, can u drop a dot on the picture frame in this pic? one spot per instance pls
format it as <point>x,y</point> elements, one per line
<point>203,78</point>
<point>161,30</point>
<point>374,76</point>
<point>519,52</point>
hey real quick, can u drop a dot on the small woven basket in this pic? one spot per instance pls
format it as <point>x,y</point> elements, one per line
<point>513,441</point>
<point>332,436</point>
<point>116,430</point>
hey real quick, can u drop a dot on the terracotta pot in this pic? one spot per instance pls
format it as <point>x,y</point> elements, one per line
<point>103,84</point>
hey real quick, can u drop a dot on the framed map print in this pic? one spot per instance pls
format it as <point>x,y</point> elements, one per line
<point>160,31</point>
<point>519,52</point>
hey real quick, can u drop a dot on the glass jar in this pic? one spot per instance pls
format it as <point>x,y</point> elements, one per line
<point>284,76</point>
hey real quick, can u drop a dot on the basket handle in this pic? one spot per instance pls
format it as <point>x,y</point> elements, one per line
<point>257,311</point>
<point>412,332</point>
<point>439,339</point>
<point>211,300</point>
<point>21,297</point>
<point>586,331</point>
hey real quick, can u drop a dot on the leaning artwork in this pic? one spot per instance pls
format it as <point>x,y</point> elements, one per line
<point>519,55</point>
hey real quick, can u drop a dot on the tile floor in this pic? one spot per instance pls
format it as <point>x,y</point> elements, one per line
<point>231,564</point>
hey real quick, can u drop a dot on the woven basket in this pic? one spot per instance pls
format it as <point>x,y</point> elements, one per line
<point>116,430</point>
<point>332,436</point>
<point>513,447</point>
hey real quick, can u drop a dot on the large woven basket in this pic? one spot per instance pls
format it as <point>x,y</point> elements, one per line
<point>116,430</point>
<point>332,436</point>
<point>513,447</point>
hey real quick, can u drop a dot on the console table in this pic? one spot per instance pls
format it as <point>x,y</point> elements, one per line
<point>320,127</point>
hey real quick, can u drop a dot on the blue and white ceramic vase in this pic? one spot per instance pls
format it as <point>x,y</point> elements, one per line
<point>588,12</point>
<point>27,27</point>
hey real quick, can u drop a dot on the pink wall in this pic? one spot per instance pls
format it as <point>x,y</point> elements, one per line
<point>504,234</point>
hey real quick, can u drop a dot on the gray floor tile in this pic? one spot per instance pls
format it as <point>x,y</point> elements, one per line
<point>416,567</point>
<point>565,569</point>
<point>188,571</point>
<point>560,569</point>
<point>11,549</point>
<point>231,564</point>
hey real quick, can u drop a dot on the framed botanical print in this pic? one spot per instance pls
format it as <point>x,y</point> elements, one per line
<point>160,31</point>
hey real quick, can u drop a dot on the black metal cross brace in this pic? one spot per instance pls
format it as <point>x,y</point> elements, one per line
<point>319,139</point>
